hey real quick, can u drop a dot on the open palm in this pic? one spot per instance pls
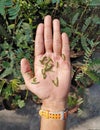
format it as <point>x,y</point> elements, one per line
<point>51,79</point>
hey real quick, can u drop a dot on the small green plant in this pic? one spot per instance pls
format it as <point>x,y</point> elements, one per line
<point>72,100</point>
<point>10,92</point>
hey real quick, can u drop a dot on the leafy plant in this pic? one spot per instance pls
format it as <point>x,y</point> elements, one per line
<point>82,27</point>
<point>72,100</point>
<point>10,92</point>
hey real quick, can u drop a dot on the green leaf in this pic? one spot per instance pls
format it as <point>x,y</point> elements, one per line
<point>7,92</point>
<point>2,82</point>
<point>86,24</point>
<point>80,101</point>
<point>75,18</point>
<point>96,20</point>
<point>55,1</point>
<point>84,42</point>
<point>94,3</point>
<point>93,76</point>
<point>80,112</point>
<point>63,22</point>
<point>39,1</point>
<point>9,3</point>
<point>95,62</point>
<point>68,30</point>
<point>11,26</point>
<point>5,64</point>
<point>3,32</point>
<point>79,76</point>
<point>2,7</point>
<point>7,72</point>
<point>14,84</point>
<point>21,103</point>
<point>5,46</point>
<point>74,42</point>
<point>72,100</point>
<point>13,11</point>
<point>92,43</point>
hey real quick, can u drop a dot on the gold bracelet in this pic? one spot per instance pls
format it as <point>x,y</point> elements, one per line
<point>61,115</point>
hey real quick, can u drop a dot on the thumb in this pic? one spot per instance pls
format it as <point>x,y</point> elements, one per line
<point>26,70</point>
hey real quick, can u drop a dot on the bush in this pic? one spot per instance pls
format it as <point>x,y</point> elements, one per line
<point>79,18</point>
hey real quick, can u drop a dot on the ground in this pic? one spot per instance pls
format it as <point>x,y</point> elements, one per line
<point>27,118</point>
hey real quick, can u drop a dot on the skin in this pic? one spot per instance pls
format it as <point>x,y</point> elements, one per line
<point>52,45</point>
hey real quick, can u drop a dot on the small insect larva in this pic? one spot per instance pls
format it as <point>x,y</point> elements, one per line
<point>49,60</point>
<point>57,64</point>
<point>48,67</point>
<point>34,81</point>
<point>56,82</point>
<point>44,60</point>
<point>63,57</point>
<point>44,73</point>
<point>44,76</point>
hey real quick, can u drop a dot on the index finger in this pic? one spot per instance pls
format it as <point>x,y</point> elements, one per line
<point>39,40</point>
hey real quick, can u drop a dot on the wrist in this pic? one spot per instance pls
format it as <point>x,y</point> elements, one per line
<point>55,105</point>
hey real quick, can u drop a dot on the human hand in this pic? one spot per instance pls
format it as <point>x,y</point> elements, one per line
<point>52,69</point>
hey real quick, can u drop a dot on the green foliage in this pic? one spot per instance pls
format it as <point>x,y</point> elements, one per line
<point>13,12</point>
<point>90,67</point>
<point>74,100</point>
<point>11,91</point>
<point>79,25</point>
<point>18,22</point>
<point>2,82</point>
<point>9,88</point>
<point>17,101</point>
<point>94,3</point>
<point>75,17</point>
<point>10,8</point>
<point>2,5</point>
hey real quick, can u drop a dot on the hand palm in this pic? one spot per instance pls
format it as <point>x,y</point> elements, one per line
<point>46,89</point>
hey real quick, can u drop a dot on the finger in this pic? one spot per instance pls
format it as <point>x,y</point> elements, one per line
<point>65,46</point>
<point>26,70</point>
<point>48,33</point>
<point>56,37</point>
<point>39,40</point>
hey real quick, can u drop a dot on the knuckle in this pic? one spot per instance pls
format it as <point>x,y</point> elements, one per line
<point>48,40</point>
